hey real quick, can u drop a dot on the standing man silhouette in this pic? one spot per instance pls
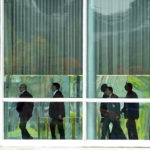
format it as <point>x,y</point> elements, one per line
<point>103,106</point>
<point>131,112</point>
<point>112,115</point>
<point>57,112</point>
<point>25,111</point>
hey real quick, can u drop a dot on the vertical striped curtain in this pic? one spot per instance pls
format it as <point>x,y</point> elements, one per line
<point>121,36</point>
<point>43,37</point>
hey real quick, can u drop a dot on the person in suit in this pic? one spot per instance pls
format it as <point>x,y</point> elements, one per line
<point>112,115</point>
<point>103,106</point>
<point>131,112</point>
<point>57,112</point>
<point>25,111</point>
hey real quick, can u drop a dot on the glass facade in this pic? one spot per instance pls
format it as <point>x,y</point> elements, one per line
<point>43,37</point>
<point>40,85</point>
<point>39,124</point>
<point>118,63</point>
<point>120,36</point>
<point>142,123</point>
<point>44,49</point>
<point>141,85</point>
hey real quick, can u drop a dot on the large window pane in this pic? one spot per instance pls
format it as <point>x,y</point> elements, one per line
<point>141,85</point>
<point>40,85</point>
<point>119,32</point>
<point>43,37</point>
<point>38,125</point>
<point>128,125</point>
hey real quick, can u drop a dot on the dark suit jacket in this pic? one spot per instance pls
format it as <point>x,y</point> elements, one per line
<point>131,94</point>
<point>25,108</point>
<point>25,94</point>
<point>58,95</point>
<point>57,108</point>
<point>112,108</point>
<point>131,110</point>
<point>103,107</point>
<point>114,96</point>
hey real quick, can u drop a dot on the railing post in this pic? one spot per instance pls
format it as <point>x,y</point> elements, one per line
<point>81,125</point>
<point>73,128</point>
<point>56,131</point>
<point>47,127</point>
<point>98,126</point>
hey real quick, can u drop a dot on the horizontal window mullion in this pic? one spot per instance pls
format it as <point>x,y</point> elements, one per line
<point>132,100</point>
<point>43,99</point>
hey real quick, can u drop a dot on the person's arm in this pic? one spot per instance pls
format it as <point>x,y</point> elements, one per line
<point>19,107</point>
<point>61,110</point>
<point>118,111</point>
<point>103,109</point>
<point>50,110</point>
<point>30,108</point>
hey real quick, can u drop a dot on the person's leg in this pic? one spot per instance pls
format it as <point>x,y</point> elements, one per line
<point>128,125</point>
<point>61,129</point>
<point>134,131</point>
<point>131,126</point>
<point>52,128</point>
<point>117,130</point>
<point>22,125</point>
<point>105,127</point>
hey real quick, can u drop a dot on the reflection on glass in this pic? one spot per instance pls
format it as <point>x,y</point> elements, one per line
<point>119,31</point>
<point>43,37</point>
<point>38,125</point>
<point>141,85</point>
<point>121,121</point>
<point>40,86</point>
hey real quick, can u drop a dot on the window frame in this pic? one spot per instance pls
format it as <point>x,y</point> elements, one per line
<point>40,142</point>
<point>84,142</point>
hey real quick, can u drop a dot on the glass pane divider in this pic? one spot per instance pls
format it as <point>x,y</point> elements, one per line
<point>43,99</point>
<point>98,100</point>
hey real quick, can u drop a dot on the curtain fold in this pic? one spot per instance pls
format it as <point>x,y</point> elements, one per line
<point>43,37</point>
<point>121,36</point>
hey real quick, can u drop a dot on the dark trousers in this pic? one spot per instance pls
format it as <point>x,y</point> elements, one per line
<point>131,126</point>
<point>105,127</point>
<point>22,125</point>
<point>59,123</point>
<point>117,132</point>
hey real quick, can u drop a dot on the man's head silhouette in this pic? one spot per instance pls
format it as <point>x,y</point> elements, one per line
<point>103,87</point>
<point>55,86</point>
<point>128,87</point>
<point>23,87</point>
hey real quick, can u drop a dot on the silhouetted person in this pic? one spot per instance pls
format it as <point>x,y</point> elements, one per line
<point>103,89</point>
<point>25,111</point>
<point>103,106</point>
<point>57,112</point>
<point>112,115</point>
<point>131,112</point>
